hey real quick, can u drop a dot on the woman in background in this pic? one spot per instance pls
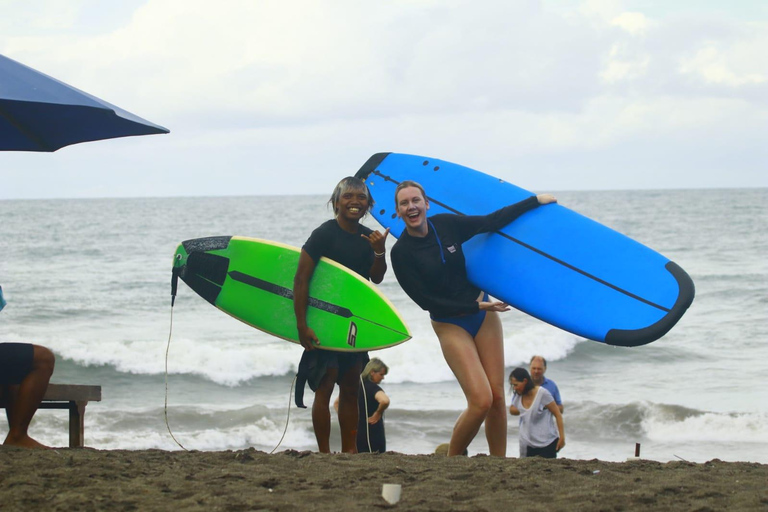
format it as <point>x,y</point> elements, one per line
<point>537,409</point>
<point>372,402</point>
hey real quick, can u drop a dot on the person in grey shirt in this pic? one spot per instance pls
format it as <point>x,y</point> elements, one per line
<point>537,409</point>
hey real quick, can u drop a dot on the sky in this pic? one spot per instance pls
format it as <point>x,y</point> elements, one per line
<point>289,96</point>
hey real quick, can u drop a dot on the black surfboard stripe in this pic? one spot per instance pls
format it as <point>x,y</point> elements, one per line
<point>288,294</point>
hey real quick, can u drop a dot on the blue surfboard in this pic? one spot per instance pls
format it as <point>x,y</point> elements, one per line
<point>551,263</point>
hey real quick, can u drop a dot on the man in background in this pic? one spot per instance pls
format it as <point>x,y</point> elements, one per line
<point>538,367</point>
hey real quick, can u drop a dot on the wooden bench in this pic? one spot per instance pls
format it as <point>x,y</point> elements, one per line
<point>73,397</point>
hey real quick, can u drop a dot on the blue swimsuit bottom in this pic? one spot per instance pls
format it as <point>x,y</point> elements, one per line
<point>470,323</point>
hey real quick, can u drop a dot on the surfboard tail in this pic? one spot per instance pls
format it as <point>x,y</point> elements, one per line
<point>638,337</point>
<point>370,166</point>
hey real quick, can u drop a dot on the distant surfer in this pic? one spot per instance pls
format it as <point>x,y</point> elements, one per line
<point>25,370</point>
<point>345,240</point>
<point>429,265</point>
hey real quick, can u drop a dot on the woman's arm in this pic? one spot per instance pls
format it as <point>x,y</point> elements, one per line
<point>301,280</point>
<point>476,224</point>
<point>383,400</point>
<point>552,406</point>
<point>378,244</point>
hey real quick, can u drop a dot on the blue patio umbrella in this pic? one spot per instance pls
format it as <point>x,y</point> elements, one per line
<point>40,113</point>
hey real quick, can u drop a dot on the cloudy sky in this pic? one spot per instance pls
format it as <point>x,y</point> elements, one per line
<point>288,96</point>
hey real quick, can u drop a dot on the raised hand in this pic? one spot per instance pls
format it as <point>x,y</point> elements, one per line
<point>546,198</point>
<point>377,241</point>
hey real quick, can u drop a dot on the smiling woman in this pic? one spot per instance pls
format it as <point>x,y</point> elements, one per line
<point>346,241</point>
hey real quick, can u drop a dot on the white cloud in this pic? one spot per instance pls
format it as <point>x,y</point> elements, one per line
<point>250,88</point>
<point>742,63</point>
<point>633,22</point>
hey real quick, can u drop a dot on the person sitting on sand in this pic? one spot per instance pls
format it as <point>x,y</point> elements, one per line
<point>537,408</point>
<point>25,370</point>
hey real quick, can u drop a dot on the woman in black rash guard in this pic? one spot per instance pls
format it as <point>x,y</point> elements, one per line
<point>429,265</point>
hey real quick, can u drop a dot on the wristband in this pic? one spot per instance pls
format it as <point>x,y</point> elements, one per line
<point>379,254</point>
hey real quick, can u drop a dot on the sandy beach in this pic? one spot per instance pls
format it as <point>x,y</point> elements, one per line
<point>88,479</point>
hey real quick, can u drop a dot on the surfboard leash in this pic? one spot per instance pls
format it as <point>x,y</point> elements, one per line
<point>165,407</point>
<point>288,416</point>
<point>367,426</point>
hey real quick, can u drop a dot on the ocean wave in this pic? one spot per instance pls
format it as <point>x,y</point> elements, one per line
<point>664,423</point>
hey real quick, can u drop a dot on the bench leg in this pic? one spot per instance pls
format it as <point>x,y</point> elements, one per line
<point>77,424</point>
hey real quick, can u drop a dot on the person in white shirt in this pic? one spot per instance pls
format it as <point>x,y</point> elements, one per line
<point>537,409</point>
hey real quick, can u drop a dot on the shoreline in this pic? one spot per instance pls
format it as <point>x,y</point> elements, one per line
<point>90,479</point>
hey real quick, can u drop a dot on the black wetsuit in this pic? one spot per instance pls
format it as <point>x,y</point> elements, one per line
<point>439,284</point>
<point>364,430</point>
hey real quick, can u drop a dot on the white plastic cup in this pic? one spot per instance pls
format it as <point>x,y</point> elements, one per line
<point>391,493</point>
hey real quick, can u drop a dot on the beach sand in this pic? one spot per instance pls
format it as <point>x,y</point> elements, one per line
<point>88,479</point>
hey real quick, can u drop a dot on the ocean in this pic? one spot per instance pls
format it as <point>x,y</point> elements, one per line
<point>90,279</point>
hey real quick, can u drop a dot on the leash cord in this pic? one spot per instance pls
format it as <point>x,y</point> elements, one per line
<point>165,407</point>
<point>367,425</point>
<point>288,417</point>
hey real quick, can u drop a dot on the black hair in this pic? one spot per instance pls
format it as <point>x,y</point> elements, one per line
<point>521,374</point>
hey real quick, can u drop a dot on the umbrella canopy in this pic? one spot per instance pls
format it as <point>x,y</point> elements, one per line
<point>40,113</point>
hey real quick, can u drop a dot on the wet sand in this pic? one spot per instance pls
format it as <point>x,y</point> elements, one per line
<point>88,479</point>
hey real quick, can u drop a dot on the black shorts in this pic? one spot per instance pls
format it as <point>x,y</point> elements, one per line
<point>15,362</point>
<point>548,452</point>
<point>315,363</point>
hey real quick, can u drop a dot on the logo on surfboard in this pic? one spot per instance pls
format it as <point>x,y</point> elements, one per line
<point>352,335</point>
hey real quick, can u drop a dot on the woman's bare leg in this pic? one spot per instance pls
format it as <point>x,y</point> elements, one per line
<point>348,413</point>
<point>321,414</point>
<point>461,354</point>
<point>490,348</point>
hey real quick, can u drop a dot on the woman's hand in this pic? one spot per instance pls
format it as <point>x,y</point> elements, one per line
<point>560,444</point>
<point>308,338</point>
<point>377,241</point>
<point>494,306</point>
<point>374,419</point>
<point>546,198</point>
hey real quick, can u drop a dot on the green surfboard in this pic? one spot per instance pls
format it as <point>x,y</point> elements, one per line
<point>252,280</point>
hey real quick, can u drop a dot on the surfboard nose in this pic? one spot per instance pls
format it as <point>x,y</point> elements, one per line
<point>202,270</point>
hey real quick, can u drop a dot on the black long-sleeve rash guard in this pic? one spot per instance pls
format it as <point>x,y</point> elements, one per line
<point>442,288</point>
